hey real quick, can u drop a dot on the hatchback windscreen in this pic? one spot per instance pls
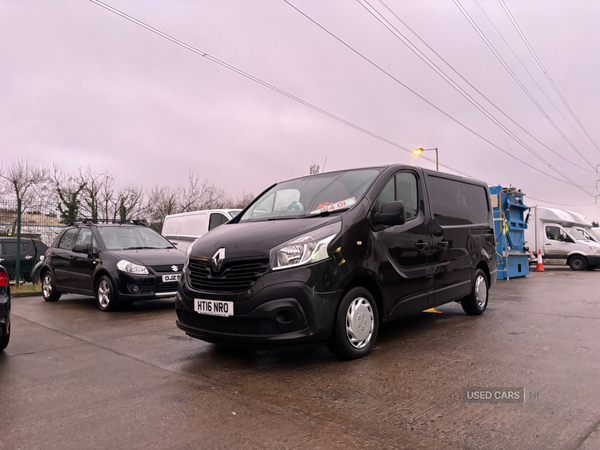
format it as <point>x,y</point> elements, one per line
<point>311,196</point>
<point>132,238</point>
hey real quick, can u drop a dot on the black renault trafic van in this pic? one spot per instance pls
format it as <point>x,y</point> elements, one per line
<point>328,257</point>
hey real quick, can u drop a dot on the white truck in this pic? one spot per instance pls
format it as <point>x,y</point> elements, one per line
<point>563,238</point>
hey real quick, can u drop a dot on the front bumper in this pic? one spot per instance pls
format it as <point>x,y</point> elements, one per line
<point>283,307</point>
<point>593,260</point>
<point>144,287</point>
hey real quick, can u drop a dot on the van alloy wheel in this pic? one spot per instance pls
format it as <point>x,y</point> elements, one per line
<point>359,323</point>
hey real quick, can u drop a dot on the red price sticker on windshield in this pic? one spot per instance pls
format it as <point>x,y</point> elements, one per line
<point>323,207</point>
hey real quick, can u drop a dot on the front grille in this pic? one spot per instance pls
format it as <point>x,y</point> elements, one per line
<point>229,325</point>
<point>167,268</point>
<point>236,276</point>
<point>166,287</point>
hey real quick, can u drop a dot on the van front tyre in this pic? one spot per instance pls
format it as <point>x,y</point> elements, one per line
<point>356,325</point>
<point>577,262</point>
<point>476,302</point>
<point>49,291</point>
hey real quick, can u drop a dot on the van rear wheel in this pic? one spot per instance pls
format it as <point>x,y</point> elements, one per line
<point>356,325</point>
<point>476,302</point>
<point>577,262</point>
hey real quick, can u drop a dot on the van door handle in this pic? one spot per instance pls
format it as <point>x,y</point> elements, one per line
<point>421,245</point>
<point>443,244</point>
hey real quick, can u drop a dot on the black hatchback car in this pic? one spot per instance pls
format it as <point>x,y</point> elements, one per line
<point>4,309</point>
<point>115,262</point>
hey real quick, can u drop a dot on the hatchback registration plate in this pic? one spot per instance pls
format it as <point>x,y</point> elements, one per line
<point>170,278</point>
<point>213,307</point>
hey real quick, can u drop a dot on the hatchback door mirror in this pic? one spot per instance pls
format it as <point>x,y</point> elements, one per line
<point>392,213</point>
<point>80,248</point>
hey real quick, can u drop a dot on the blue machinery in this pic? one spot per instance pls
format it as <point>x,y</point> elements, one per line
<point>509,227</point>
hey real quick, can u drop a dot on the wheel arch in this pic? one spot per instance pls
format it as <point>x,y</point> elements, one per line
<point>370,285</point>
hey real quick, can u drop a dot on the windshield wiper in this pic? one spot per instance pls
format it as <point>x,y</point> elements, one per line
<point>325,213</point>
<point>137,248</point>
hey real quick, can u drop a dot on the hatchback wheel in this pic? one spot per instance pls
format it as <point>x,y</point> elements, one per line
<point>106,294</point>
<point>356,325</point>
<point>476,302</point>
<point>49,291</point>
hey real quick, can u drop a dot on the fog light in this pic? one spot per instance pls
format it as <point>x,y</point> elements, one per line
<point>135,289</point>
<point>284,316</point>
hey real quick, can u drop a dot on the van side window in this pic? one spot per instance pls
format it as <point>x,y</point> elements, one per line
<point>406,190</point>
<point>216,219</point>
<point>67,239</point>
<point>456,202</point>
<point>402,187</point>
<point>557,234</point>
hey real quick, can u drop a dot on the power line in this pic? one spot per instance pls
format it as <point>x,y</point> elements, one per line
<point>459,89</point>
<point>527,70</point>
<point>560,204</point>
<point>429,102</point>
<point>263,83</point>
<point>539,62</point>
<point>516,78</point>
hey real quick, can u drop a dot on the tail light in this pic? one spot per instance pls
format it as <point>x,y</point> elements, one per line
<point>46,254</point>
<point>3,279</point>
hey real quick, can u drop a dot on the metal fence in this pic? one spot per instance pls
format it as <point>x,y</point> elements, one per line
<point>25,234</point>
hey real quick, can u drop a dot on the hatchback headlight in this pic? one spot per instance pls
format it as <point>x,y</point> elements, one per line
<point>306,249</point>
<point>129,267</point>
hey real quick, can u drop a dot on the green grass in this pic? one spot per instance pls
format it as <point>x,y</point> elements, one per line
<point>29,287</point>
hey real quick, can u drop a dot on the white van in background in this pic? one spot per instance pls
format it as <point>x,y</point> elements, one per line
<point>183,229</point>
<point>563,237</point>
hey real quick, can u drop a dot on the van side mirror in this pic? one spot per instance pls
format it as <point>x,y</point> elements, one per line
<point>392,213</point>
<point>80,248</point>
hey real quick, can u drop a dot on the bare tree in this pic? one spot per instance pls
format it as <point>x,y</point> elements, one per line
<point>92,193</point>
<point>27,183</point>
<point>196,196</point>
<point>68,191</point>
<point>240,202</point>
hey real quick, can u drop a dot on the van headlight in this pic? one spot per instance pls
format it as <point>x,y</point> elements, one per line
<point>306,249</point>
<point>129,267</point>
<point>188,252</point>
<point>596,250</point>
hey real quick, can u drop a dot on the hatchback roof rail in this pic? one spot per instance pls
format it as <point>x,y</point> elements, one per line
<point>86,221</point>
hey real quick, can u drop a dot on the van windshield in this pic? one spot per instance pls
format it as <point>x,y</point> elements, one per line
<point>577,234</point>
<point>312,196</point>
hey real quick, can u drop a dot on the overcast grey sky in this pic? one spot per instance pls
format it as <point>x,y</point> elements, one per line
<point>82,86</point>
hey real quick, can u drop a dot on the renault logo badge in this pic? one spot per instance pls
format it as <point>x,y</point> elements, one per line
<point>218,258</point>
<point>174,268</point>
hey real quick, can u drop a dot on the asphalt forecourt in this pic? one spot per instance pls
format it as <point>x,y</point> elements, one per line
<point>525,374</point>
